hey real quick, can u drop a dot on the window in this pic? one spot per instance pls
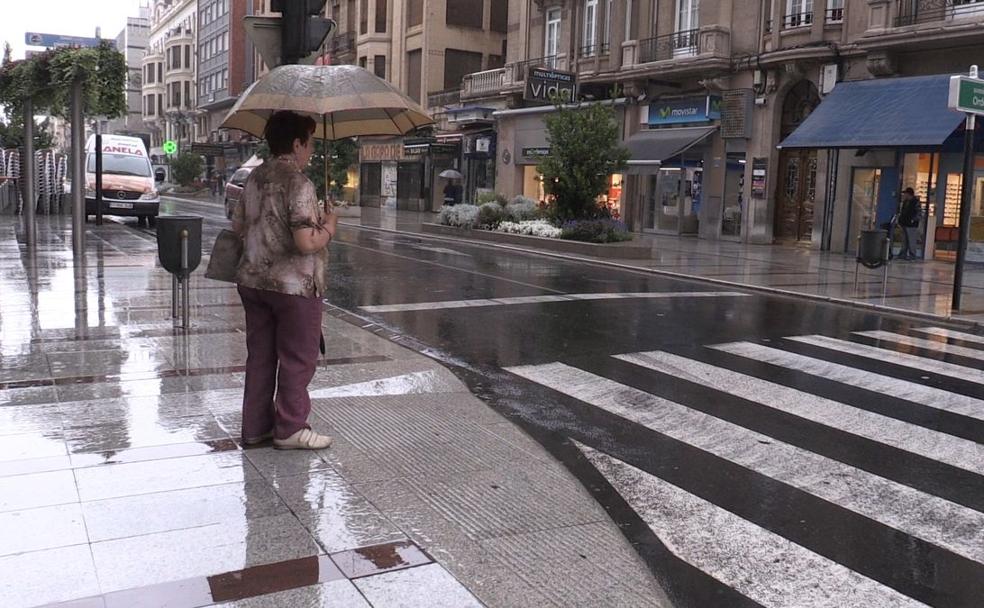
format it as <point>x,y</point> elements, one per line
<point>364,16</point>
<point>496,62</point>
<point>590,23</point>
<point>380,16</point>
<point>362,62</point>
<point>160,104</point>
<point>457,64</point>
<point>464,13</point>
<point>413,74</point>
<point>605,16</point>
<point>187,88</point>
<point>835,11</point>
<point>187,56</point>
<point>379,66</point>
<point>160,72</point>
<point>798,13</point>
<point>499,18</point>
<point>551,40</point>
<point>415,12</point>
<point>688,12</point>
<point>350,16</point>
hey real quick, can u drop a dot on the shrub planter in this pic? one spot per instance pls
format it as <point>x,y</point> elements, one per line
<point>624,251</point>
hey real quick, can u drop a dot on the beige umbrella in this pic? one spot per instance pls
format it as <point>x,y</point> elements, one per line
<point>347,101</point>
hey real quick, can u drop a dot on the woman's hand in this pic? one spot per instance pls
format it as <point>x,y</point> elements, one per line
<point>312,240</point>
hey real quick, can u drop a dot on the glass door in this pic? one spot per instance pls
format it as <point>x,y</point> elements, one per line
<point>669,201</point>
<point>864,199</point>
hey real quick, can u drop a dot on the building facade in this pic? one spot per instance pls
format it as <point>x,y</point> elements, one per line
<point>132,42</point>
<point>705,92</point>
<point>169,75</point>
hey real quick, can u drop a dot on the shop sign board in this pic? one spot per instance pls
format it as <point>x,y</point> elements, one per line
<point>536,152</point>
<point>547,85</point>
<point>688,110</point>
<point>758,177</point>
<point>374,153</point>
<point>57,40</point>
<point>966,94</point>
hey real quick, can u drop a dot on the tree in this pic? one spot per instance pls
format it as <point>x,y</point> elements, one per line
<point>12,134</point>
<point>584,152</point>
<point>343,154</point>
<point>186,168</point>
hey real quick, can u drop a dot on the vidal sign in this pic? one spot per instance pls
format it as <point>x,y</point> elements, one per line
<point>546,85</point>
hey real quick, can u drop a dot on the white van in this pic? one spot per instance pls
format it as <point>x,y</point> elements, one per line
<point>128,183</point>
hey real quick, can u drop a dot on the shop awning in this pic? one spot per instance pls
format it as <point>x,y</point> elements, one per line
<point>883,113</point>
<point>650,148</point>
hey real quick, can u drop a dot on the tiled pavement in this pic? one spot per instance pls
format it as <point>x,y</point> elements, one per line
<point>122,481</point>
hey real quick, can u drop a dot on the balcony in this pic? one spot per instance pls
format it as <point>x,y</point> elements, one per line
<point>670,46</point>
<point>483,84</point>
<point>441,99</point>
<point>911,12</point>
<point>795,20</point>
<point>593,50</point>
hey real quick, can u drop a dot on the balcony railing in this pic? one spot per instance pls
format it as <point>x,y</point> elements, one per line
<point>835,15</point>
<point>591,50</point>
<point>489,82</point>
<point>520,68</point>
<point>668,46</point>
<point>911,12</point>
<point>440,99</point>
<point>797,20</point>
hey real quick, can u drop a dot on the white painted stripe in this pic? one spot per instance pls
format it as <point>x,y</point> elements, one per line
<point>933,345</point>
<point>929,396</point>
<point>896,358</point>
<point>759,564</point>
<point>568,297</point>
<point>898,506</point>
<point>949,333</point>
<point>951,450</point>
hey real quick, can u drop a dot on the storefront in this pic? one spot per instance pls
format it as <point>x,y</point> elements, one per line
<point>875,154</point>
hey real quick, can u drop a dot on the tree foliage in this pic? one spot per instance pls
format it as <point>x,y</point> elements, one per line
<point>343,153</point>
<point>584,152</point>
<point>47,80</point>
<point>186,168</point>
<point>12,133</point>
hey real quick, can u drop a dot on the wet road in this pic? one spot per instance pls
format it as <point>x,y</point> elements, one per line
<point>757,451</point>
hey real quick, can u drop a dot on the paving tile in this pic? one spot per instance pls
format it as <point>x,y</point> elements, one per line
<point>117,480</point>
<point>21,492</point>
<point>136,431</point>
<point>338,516</point>
<point>34,465</point>
<point>28,396</point>
<point>161,452</point>
<point>203,551</point>
<point>41,577</point>
<point>42,528</point>
<point>273,578</point>
<point>370,561</point>
<point>39,444</point>
<point>334,594</point>
<point>274,464</point>
<point>164,511</point>
<point>428,586</point>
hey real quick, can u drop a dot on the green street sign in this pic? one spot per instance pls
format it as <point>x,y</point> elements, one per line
<point>966,94</point>
<point>170,146</point>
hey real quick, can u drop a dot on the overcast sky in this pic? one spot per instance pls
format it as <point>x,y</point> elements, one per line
<point>66,17</point>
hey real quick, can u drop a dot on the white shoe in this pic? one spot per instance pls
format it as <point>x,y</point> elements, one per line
<point>304,439</point>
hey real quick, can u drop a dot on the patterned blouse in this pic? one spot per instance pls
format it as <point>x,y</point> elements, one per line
<point>278,199</point>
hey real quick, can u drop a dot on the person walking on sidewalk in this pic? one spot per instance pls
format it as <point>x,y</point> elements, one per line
<point>909,215</point>
<point>281,279</point>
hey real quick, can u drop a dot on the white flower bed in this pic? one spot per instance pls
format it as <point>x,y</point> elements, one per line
<point>541,228</point>
<point>462,216</point>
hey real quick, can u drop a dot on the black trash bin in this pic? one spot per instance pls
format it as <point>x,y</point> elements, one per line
<point>873,250</point>
<point>169,229</point>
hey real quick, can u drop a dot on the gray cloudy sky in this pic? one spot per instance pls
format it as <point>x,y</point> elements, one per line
<point>66,17</point>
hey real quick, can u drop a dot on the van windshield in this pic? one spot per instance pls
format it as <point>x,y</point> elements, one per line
<point>120,164</point>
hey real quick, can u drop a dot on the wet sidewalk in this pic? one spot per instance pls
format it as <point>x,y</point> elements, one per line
<point>123,482</point>
<point>920,287</point>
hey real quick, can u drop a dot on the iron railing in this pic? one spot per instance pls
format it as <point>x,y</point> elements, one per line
<point>591,50</point>
<point>911,12</point>
<point>835,15</point>
<point>797,20</point>
<point>668,46</point>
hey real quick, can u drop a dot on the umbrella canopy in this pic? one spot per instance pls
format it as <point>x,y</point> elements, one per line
<point>450,174</point>
<point>345,101</point>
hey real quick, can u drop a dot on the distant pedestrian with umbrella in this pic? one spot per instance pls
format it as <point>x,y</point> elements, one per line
<point>281,280</point>
<point>452,190</point>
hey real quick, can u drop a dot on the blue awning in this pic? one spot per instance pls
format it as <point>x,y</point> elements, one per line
<point>886,113</point>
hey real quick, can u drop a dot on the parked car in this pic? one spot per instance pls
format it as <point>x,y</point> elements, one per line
<point>234,188</point>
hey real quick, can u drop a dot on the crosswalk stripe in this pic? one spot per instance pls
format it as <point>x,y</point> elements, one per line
<point>890,356</point>
<point>893,504</point>
<point>951,450</point>
<point>929,396</point>
<point>949,333</point>
<point>567,297</point>
<point>933,345</point>
<point>759,564</point>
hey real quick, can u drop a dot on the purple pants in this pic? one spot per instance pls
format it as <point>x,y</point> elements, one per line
<point>283,335</point>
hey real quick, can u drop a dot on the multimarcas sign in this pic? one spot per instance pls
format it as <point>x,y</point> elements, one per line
<point>691,109</point>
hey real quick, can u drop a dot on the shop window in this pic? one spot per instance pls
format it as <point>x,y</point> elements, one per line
<point>457,64</point>
<point>734,194</point>
<point>381,16</point>
<point>379,65</point>
<point>409,181</point>
<point>499,20</point>
<point>415,12</point>
<point>370,179</point>
<point>464,13</point>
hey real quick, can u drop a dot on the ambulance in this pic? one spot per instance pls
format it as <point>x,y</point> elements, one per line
<point>129,186</point>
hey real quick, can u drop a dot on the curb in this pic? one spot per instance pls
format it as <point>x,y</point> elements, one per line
<point>867,306</point>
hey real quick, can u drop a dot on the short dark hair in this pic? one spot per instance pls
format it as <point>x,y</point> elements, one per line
<point>284,127</point>
<point>909,191</point>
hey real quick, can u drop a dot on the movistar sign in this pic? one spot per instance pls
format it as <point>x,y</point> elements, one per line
<point>691,109</point>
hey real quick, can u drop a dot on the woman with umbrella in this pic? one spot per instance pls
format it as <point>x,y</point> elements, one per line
<point>281,280</point>
<point>452,191</point>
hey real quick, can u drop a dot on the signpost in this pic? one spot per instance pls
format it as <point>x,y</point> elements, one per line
<point>966,95</point>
